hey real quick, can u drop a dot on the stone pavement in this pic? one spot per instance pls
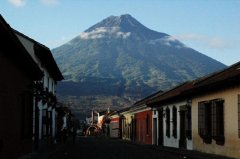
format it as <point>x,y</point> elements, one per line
<point>45,151</point>
<point>191,154</point>
<point>101,147</point>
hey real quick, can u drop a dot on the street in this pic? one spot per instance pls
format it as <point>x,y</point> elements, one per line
<point>103,148</point>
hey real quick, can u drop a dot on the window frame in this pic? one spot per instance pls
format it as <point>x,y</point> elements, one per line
<point>211,121</point>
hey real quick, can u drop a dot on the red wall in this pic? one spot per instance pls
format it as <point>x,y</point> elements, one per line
<point>141,127</point>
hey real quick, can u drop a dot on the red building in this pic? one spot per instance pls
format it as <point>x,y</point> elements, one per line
<point>18,71</point>
<point>144,127</point>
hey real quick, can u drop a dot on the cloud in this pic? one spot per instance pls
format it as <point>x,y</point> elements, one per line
<point>104,32</point>
<point>20,3</point>
<point>206,41</point>
<point>50,2</point>
<point>168,41</point>
<point>55,43</point>
<point>190,37</point>
<point>218,43</point>
<point>17,3</point>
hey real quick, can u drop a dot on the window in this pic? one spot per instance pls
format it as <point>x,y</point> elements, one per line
<point>239,115</point>
<point>174,120</point>
<point>204,122</point>
<point>210,121</point>
<point>168,122</point>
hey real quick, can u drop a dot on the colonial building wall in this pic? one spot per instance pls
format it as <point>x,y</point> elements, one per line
<point>229,145</point>
<point>170,139</point>
<point>16,107</point>
<point>45,121</point>
<point>144,127</point>
<point>174,130</point>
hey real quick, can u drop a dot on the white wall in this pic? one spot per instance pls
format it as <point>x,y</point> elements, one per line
<point>172,141</point>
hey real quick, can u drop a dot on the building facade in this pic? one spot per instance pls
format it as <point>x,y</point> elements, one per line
<point>216,113</point>
<point>18,73</point>
<point>44,109</point>
<point>172,118</point>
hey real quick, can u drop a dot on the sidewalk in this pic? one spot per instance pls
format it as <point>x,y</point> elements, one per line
<point>183,153</point>
<point>191,154</point>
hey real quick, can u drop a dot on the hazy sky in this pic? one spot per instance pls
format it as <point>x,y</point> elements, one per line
<point>211,27</point>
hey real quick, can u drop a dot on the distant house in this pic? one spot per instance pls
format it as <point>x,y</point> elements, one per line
<point>143,120</point>
<point>126,117</point>
<point>216,113</point>
<point>18,73</point>
<point>136,121</point>
<point>114,128</point>
<point>45,100</point>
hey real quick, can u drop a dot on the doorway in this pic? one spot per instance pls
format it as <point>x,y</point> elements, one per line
<point>183,138</point>
<point>160,127</point>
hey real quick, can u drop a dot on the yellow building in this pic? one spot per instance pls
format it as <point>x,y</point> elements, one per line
<point>216,113</point>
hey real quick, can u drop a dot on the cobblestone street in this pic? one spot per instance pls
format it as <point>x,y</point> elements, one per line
<point>105,148</point>
<point>102,148</point>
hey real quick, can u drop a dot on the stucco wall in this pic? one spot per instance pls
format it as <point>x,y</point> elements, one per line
<point>141,126</point>
<point>231,147</point>
<point>172,141</point>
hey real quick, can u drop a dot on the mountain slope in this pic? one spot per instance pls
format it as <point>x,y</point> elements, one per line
<point>121,57</point>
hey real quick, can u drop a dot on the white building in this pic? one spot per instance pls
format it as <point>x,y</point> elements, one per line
<point>171,121</point>
<point>44,114</point>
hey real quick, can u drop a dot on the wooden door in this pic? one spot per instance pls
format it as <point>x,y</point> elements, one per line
<point>160,127</point>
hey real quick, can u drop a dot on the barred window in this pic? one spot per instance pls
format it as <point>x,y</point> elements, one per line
<point>174,119</point>
<point>211,121</point>
<point>204,119</point>
<point>168,122</point>
<point>201,119</point>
